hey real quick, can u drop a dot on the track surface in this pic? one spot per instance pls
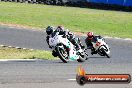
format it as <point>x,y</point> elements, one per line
<point>54,73</point>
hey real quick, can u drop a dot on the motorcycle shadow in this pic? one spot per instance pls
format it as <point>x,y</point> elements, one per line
<point>70,62</point>
<point>102,57</point>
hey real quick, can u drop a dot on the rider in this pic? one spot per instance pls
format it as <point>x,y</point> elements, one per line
<point>68,34</point>
<point>49,31</point>
<point>91,38</point>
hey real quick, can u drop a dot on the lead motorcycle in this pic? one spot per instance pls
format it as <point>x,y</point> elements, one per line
<point>101,47</point>
<point>65,50</point>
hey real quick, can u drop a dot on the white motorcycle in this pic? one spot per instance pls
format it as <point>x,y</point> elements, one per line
<point>65,50</point>
<point>101,47</point>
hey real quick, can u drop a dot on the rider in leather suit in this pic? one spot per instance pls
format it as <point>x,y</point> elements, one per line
<point>90,38</point>
<point>70,36</point>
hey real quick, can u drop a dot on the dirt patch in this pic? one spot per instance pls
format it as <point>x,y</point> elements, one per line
<point>18,26</point>
<point>80,33</point>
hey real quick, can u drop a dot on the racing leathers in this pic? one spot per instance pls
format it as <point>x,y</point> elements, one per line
<point>90,45</point>
<point>70,36</point>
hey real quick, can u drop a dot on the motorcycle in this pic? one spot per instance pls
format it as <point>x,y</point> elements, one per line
<point>101,47</point>
<point>65,50</point>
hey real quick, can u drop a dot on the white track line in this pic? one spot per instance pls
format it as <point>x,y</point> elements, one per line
<point>31,49</point>
<point>10,46</point>
<point>125,39</point>
<point>17,60</point>
<point>16,47</point>
<point>24,48</point>
<point>71,79</point>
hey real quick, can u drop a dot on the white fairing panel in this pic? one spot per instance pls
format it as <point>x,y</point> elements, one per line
<point>53,41</point>
<point>102,43</point>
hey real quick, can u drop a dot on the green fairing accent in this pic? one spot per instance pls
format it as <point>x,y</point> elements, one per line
<point>73,58</point>
<point>68,45</point>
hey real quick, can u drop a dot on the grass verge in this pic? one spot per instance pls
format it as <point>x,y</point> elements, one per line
<point>103,22</point>
<point>12,53</point>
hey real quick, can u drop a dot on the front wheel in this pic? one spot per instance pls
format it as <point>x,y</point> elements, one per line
<point>105,52</point>
<point>62,53</point>
<point>108,55</point>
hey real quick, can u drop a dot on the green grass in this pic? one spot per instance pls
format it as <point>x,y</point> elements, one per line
<point>110,23</point>
<point>12,53</point>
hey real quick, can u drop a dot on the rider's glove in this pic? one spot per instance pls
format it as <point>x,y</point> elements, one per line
<point>64,36</point>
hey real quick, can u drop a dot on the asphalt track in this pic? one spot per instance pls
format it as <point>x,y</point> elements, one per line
<point>54,73</point>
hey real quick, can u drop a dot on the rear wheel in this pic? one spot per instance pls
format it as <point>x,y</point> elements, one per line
<point>81,58</point>
<point>62,54</point>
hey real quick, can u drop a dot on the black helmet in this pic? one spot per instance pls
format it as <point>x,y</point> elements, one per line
<point>49,30</point>
<point>60,29</point>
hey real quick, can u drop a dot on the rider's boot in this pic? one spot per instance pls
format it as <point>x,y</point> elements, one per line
<point>82,46</point>
<point>77,48</point>
<point>75,43</point>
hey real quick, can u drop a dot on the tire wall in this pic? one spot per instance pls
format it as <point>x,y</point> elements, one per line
<point>124,5</point>
<point>70,2</point>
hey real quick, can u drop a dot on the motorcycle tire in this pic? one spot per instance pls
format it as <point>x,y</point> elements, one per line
<point>81,58</point>
<point>108,56</point>
<point>61,56</point>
